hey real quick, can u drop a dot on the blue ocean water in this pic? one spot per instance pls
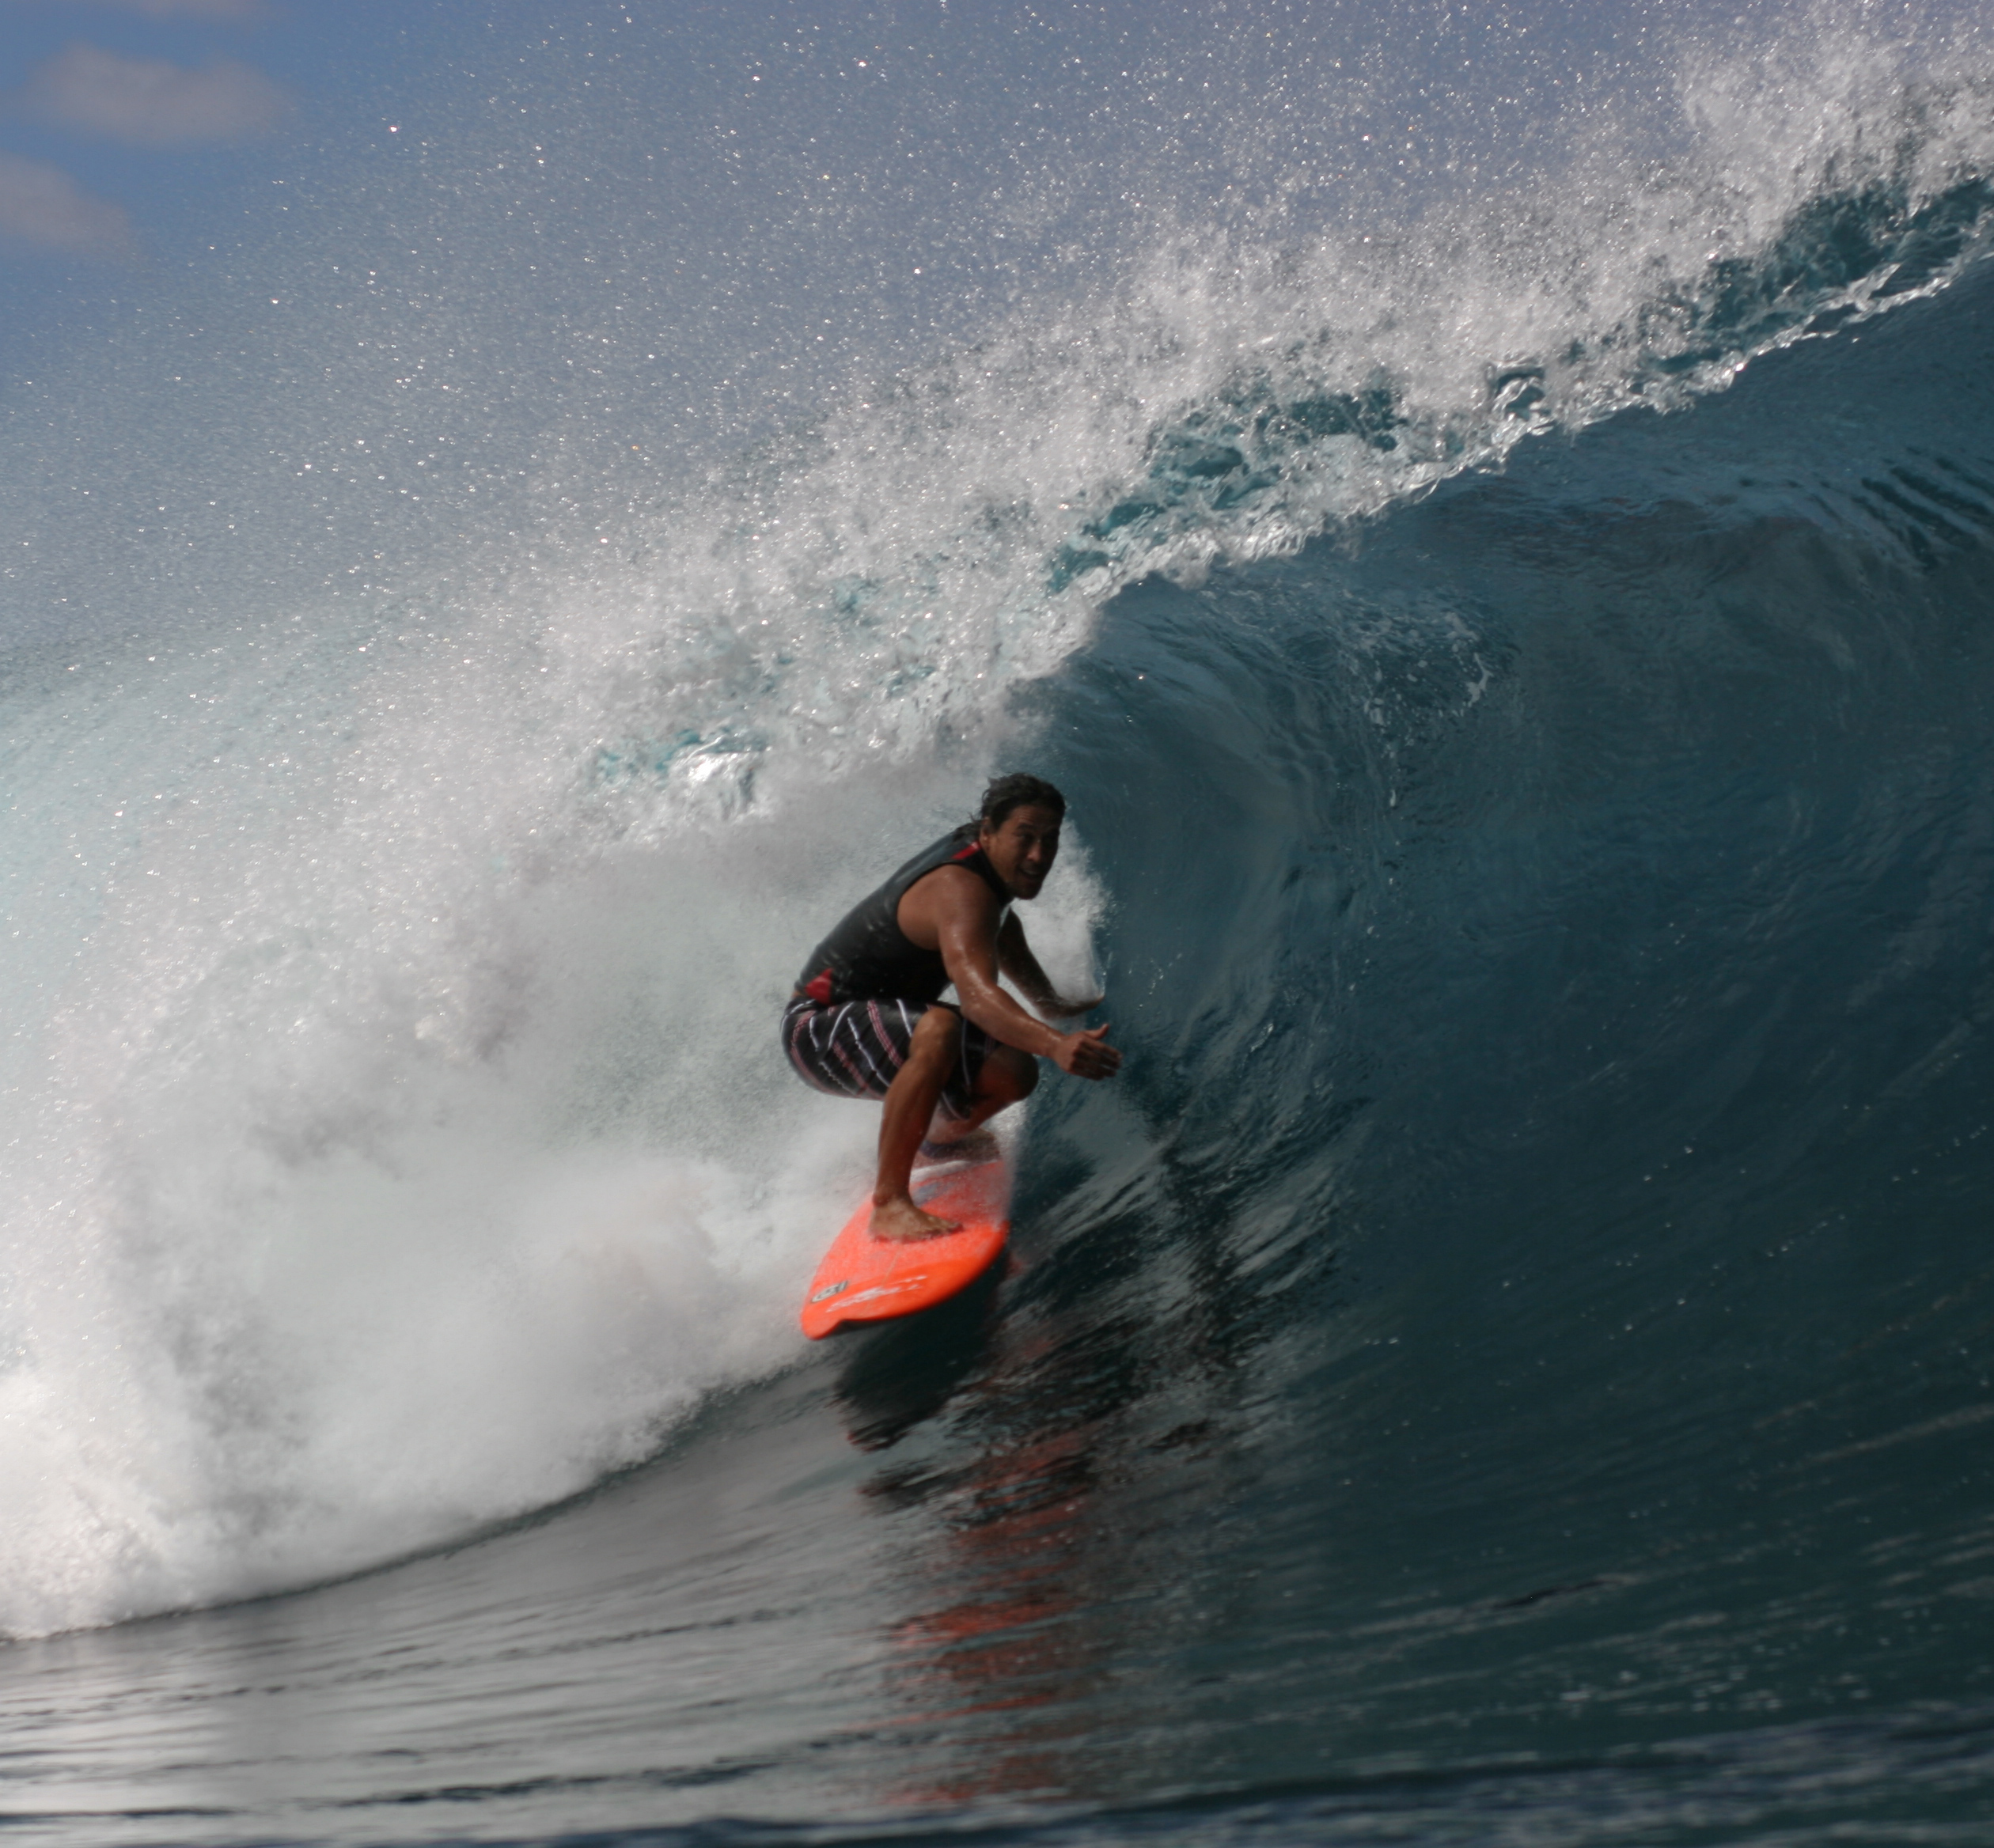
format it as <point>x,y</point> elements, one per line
<point>1507,1362</point>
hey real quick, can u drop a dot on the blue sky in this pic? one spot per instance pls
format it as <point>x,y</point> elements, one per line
<point>133,132</point>
<point>543,240</point>
<point>128,128</point>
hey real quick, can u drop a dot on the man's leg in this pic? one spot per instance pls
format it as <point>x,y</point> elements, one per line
<point>911,1100</point>
<point>1008,1076</point>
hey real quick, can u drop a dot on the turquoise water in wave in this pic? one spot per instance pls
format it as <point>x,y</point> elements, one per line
<point>1509,1360</point>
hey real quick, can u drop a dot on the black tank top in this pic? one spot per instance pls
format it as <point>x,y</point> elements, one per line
<point>868,957</point>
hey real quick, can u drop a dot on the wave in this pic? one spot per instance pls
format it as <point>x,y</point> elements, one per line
<point>392,953</point>
<point>1529,1288</point>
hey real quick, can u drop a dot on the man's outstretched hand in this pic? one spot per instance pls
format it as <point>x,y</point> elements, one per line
<point>1088,1054</point>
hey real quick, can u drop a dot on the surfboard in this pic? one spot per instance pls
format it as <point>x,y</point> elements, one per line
<point>867,1279</point>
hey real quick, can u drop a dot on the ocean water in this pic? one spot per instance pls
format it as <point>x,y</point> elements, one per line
<point>1513,613</point>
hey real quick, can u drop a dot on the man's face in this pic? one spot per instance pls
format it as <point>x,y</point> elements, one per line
<point>1022,848</point>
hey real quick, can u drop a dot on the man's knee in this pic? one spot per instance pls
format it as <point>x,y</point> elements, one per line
<point>937,1034</point>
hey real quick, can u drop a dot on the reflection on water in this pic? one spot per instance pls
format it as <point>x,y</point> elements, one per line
<point>902,1373</point>
<point>998,1539</point>
<point>1059,1469</point>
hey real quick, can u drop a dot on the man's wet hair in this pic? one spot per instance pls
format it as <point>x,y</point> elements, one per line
<point>1019,791</point>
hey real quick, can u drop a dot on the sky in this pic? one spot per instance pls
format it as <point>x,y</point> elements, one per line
<point>129,127</point>
<point>527,243</point>
<point>141,136</point>
<point>734,165</point>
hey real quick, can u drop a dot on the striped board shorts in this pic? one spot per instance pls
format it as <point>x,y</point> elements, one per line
<point>855,1048</point>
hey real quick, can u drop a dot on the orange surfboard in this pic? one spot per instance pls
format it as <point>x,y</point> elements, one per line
<point>867,1279</point>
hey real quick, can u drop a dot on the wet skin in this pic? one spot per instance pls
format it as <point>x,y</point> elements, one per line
<point>953,910</point>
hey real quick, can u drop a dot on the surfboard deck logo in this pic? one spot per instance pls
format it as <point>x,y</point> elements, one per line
<point>866,1279</point>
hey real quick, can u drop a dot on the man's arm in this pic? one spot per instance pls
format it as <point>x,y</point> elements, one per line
<point>962,911</point>
<point>1014,957</point>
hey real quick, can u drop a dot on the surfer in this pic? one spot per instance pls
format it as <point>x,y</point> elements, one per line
<point>867,1019</point>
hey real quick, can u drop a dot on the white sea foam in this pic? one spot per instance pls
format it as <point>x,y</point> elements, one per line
<point>396,1154</point>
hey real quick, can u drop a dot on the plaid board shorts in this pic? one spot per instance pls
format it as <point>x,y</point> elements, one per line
<point>855,1048</point>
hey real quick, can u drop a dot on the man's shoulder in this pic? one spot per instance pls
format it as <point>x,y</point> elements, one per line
<point>954,890</point>
<point>953,876</point>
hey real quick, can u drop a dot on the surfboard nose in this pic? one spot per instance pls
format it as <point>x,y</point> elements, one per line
<point>867,1279</point>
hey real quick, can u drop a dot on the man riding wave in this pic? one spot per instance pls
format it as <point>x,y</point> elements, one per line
<point>867,1019</point>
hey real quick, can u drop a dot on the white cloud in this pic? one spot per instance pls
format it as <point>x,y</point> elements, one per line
<point>148,100</point>
<point>44,205</point>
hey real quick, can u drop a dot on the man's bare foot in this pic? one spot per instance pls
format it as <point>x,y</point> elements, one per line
<point>902,1220</point>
